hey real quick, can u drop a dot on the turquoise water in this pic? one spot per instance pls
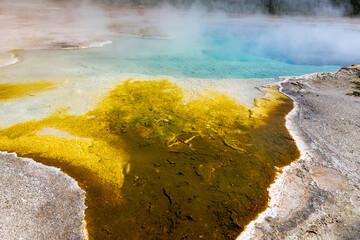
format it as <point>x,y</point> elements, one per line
<point>206,59</point>
<point>221,50</point>
<point>150,56</point>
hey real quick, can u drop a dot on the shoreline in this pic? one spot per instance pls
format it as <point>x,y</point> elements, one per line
<point>276,189</point>
<point>323,182</point>
<point>51,197</point>
<point>10,60</point>
<point>70,194</point>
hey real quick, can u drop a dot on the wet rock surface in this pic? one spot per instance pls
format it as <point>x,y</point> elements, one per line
<point>317,197</point>
<point>38,202</point>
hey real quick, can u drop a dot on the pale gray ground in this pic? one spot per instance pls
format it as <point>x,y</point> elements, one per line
<point>38,202</point>
<point>318,197</point>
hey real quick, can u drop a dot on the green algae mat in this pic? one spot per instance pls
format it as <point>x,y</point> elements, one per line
<point>159,162</point>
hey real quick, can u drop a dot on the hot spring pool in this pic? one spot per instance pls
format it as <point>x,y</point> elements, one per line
<point>236,50</point>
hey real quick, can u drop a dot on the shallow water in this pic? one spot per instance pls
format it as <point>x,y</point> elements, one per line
<point>236,49</point>
<point>216,59</point>
<point>157,164</point>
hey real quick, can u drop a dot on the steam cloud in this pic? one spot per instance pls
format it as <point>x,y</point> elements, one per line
<point>295,40</point>
<point>289,7</point>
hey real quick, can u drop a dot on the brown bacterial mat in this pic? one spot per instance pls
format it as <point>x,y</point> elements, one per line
<point>157,162</point>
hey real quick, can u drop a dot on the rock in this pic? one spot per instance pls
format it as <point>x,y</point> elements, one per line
<point>38,202</point>
<point>317,197</point>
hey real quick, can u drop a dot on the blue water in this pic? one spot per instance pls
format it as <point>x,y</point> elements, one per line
<point>221,50</point>
<point>214,58</point>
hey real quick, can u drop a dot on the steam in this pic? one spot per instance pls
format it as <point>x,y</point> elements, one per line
<point>287,7</point>
<point>291,40</point>
<point>29,24</point>
<point>203,25</point>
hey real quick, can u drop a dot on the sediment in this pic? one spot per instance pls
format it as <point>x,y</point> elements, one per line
<point>317,197</point>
